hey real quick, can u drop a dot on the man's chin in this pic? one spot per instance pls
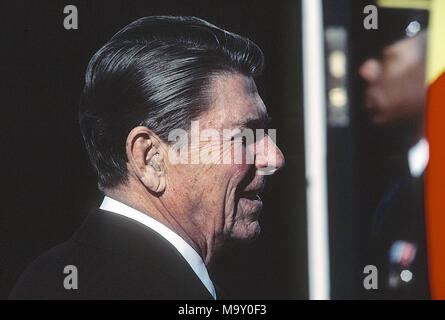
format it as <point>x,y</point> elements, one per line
<point>247,231</point>
<point>246,226</point>
<point>385,122</point>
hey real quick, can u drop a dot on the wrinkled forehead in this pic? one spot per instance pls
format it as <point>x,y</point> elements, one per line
<point>235,102</point>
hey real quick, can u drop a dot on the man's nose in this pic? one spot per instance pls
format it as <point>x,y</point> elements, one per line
<point>268,157</point>
<point>370,70</point>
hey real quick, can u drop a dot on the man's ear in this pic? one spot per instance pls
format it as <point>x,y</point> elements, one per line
<point>146,159</point>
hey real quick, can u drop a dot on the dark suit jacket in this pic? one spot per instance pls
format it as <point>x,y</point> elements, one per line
<point>116,258</point>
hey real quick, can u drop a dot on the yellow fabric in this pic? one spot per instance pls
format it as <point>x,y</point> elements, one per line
<point>436,41</point>
<point>405,4</point>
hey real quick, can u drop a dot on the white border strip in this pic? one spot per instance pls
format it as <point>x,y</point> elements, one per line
<point>315,149</point>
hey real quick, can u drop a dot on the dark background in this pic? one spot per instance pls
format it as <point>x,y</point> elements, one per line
<point>48,185</point>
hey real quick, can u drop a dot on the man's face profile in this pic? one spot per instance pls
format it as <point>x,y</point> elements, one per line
<point>395,90</point>
<point>219,201</point>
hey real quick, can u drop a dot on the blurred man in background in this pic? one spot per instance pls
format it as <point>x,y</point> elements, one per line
<point>395,97</point>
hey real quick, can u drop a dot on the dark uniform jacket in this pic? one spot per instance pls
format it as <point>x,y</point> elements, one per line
<point>399,241</point>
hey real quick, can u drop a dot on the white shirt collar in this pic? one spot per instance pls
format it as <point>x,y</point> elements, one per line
<point>190,255</point>
<point>418,157</point>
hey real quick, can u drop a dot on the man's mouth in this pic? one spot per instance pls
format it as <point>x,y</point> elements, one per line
<point>369,101</point>
<point>251,203</point>
<point>253,195</point>
<point>251,191</point>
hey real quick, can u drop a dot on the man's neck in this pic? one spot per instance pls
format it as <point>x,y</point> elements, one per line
<point>143,201</point>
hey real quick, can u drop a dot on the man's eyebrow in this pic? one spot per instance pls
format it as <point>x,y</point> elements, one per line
<point>255,123</point>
